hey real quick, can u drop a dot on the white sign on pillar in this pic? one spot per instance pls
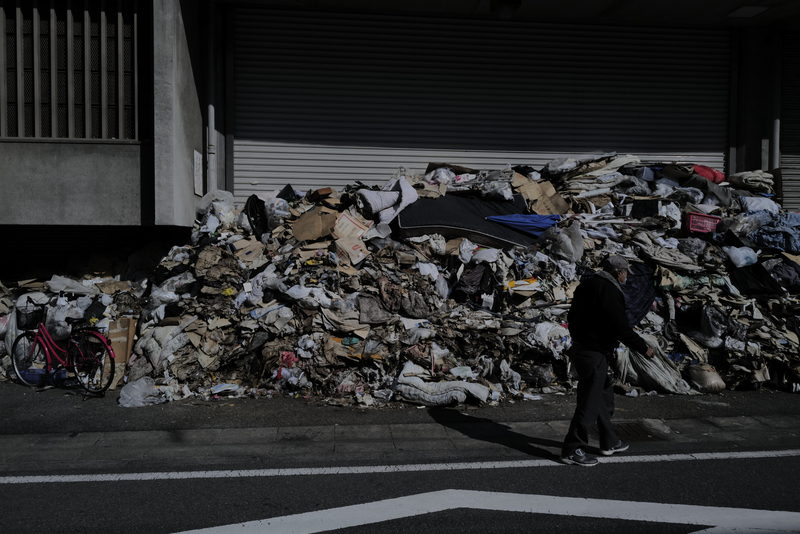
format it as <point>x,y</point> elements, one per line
<point>198,173</point>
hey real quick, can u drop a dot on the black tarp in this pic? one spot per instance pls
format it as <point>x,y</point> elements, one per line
<point>463,216</point>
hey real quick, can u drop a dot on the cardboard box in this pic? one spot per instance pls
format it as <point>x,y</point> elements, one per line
<point>351,226</point>
<point>314,225</point>
<point>121,333</point>
<point>354,249</point>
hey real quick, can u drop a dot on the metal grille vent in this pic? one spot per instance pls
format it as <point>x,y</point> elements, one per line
<point>67,69</point>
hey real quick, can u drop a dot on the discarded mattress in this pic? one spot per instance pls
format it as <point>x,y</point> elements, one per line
<point>461,216</point>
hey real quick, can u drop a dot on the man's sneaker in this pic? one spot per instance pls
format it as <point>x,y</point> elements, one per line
<point>619,447</point>
<point>580,458</point>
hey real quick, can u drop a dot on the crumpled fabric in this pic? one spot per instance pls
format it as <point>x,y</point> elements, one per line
<point>714,194</point>
<point>386,204</point>
<point>639,291</point>
<point>415,389</point>
<point>371,310</point>
<point>759,203</point>
<point>671,258</point>
<point>782,231</point>
<point>755,281</point>
<point>635,187</point>
<point>787,274</point>
<point>614,166</point>
<point>757,180</point>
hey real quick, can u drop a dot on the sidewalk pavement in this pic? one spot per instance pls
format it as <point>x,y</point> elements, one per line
<point>464,438</point>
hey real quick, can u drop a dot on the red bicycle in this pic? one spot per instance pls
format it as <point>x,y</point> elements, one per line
<point>86,353</point>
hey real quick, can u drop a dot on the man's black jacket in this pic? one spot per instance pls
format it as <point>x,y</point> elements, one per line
<point>597,318</point>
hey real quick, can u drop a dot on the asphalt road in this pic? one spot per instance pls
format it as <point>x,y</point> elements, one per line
<point>296,465</point>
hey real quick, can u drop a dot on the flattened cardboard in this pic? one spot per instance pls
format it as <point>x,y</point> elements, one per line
<point>112,286</point>
<point>351,226</point>
<point>543,198</point>
<point>314,225</point>
<point>250,253</point>
<point>354,249</point>
<point>453,246</point>
<point>120,334</point>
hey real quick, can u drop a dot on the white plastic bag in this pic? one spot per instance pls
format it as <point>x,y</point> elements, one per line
<point>167,293</point>
<point>741,256</point>
<point>213,196</point>
<point>465,250</point>
<point>428,269</point>
<point>57,316</point>
<point>142,392</point>
<point>487,255</point>
<point>58,284</point>
<point>442,287</point>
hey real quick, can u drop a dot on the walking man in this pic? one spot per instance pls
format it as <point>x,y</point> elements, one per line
<point>597,323</point>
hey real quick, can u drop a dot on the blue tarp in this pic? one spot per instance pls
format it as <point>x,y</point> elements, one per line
<point>529,223</point>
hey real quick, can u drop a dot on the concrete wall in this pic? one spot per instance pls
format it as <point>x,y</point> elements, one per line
<point>177,112</point>
<point>60,183</point>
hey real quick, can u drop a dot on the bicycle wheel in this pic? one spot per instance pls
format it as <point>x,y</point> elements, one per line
<point>29,359</point>
<point>93,363</point>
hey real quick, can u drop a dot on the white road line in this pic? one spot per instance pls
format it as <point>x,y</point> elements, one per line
<point>368,469</point>
<point>721,519</point>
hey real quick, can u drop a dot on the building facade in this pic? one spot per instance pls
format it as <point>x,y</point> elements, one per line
<point>116,116</point>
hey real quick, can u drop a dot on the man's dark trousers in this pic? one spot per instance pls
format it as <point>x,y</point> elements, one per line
<point>595,401</point>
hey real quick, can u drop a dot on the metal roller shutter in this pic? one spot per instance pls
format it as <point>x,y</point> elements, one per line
<point>790,122</point>
<point>324,99</point>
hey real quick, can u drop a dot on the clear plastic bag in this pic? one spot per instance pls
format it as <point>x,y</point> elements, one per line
<point>218,196</point>
<point>741,256</point>
<point>167,293</point>
<point>142,392</point>
<point>277,209</point>
<point>57,316</point>
<point>497,191</point>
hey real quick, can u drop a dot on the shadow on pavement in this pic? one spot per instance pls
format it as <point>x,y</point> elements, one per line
<point>492,432</point>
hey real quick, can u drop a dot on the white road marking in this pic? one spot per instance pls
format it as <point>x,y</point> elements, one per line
<point>721,519</point>
<point>368,469</point>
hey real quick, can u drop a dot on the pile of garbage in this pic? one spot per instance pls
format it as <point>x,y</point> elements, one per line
<point>452,285</point>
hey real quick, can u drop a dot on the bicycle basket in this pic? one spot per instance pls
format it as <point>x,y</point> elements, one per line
<point>28,319</point>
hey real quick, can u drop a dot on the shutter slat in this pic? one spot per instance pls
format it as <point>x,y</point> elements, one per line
<point>326,99</point>
<point>790,122</point>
